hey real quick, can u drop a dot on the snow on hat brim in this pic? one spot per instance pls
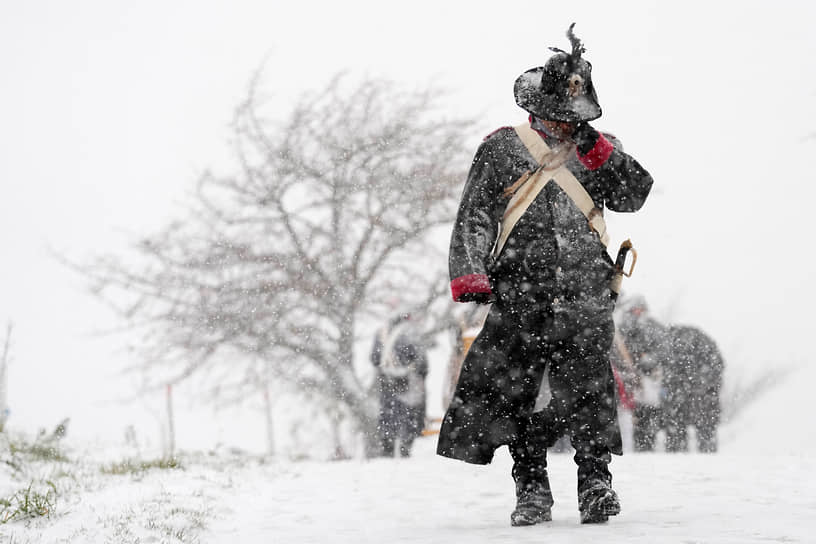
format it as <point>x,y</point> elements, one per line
<point>531,98</point>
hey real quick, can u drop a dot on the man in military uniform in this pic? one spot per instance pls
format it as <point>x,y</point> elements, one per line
<point>547,274</point>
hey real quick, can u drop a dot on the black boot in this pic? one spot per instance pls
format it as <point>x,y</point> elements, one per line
<point>597,501</point>
<point>533,505</point>
<point>596,498</point>
<point>533,496</point>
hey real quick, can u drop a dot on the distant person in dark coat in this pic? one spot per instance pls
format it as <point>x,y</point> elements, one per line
<point>693,378</point>
<point>402,365</point>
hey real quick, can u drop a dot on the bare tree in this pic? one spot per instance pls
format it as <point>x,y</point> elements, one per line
<point>327,215</point>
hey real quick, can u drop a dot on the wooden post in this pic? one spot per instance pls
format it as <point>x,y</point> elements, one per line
<point>270,429</point>
<point>171,428</point>
<point>4,360</point>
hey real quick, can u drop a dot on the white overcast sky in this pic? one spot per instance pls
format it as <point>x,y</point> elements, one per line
<point>110,109</point>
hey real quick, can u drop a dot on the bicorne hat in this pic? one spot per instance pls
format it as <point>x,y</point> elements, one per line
<point>562,89</point>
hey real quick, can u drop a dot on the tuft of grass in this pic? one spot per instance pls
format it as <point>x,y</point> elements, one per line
<point>29,503</point>
<point>37,451</point>
<point>193,517</point>
<point>133,466</point>
<point>15,449</point>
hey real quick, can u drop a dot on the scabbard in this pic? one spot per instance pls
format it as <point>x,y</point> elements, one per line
<point>620,262</point>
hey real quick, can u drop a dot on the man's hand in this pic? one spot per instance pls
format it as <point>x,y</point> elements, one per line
<point>585,137</point>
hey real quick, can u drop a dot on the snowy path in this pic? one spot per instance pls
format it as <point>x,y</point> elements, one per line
<point>724,498</point>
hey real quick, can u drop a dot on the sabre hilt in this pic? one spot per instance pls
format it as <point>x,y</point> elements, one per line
<point>620,261</point>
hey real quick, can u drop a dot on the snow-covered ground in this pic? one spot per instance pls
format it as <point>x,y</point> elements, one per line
<point>760,487</point>
<point>731,497</point>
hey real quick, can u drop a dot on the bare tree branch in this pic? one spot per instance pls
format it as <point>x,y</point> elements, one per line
<point>278,264</point>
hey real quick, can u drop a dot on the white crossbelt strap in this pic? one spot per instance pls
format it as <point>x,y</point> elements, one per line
<point>551,167</point>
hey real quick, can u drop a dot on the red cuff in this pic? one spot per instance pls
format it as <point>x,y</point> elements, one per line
<point>598,154</point>
<point>472,283</point>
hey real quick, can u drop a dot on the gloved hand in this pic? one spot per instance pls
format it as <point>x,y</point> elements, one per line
<point>585,137</point>
<point>478,298</point>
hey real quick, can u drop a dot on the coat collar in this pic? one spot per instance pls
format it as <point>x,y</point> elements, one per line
<point>538,126</point>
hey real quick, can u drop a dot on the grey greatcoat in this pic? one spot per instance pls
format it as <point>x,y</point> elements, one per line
<point>553,305</point>
<point>693,383</point>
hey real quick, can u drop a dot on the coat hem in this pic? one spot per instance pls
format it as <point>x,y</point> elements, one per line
<point>464,457</point>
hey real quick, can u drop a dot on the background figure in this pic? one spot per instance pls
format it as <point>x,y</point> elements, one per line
<point>647,348</point>
<point>402,365</point>
<point>693,379</point>
<point>627,381</point>
<point>468,325</point>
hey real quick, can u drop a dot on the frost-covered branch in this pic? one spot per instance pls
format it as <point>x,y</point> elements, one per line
<point>280,262</point>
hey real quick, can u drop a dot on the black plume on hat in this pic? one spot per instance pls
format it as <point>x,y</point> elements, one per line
<point>577,47</point>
